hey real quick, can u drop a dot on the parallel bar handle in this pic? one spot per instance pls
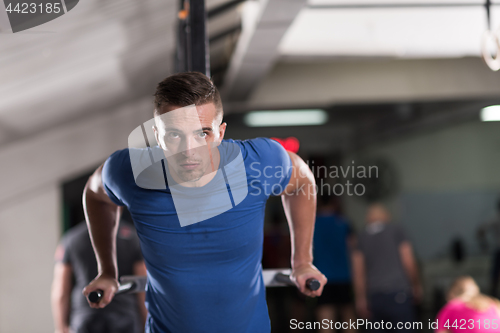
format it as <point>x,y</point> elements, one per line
<point>96,296</point>
<point>311,284</point>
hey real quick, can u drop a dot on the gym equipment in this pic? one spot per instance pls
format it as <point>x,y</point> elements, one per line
<point>137,284</point>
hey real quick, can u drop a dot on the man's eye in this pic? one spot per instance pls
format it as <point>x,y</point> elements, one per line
<point>203,134</point>
<point>173,135</point>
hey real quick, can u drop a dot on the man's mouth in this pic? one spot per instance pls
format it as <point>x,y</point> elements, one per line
<point>189,166</point>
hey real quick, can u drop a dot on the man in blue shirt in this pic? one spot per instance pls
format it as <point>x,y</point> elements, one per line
<point>198,205</point>
<point>332,243</point>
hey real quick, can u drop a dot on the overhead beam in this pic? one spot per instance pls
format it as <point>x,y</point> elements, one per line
<point>317,83</point>
<point>264,24</point>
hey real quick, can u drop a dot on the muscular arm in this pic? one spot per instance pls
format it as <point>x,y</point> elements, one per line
<point>102,217</point>
<point>299,203</point>
<point>61,295</point>
<point>410,266</point>
<point>359,281</point>
<point>359,276</point>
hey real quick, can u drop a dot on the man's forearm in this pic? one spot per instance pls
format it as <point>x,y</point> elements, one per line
<point>60,311</point>
<point>300,209</point>
<point>409,264</point>
<point>359,287</point>
<point>102,220</point>
<point>299,203</point>
<point>61,295</point>
<point>412,273</point>
<point>358,272</point>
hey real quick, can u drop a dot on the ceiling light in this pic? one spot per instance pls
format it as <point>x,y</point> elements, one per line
<point>491,113</point>
<point>286,118</point>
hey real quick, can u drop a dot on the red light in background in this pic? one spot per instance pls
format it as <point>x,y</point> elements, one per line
<point>290,144</point>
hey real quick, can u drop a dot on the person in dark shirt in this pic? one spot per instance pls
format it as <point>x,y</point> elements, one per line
<point>76,266</point>
<point>385,272</point>
<point>333,239</point>
<point>492,227</point>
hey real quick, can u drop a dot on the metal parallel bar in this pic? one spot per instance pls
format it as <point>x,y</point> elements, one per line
<point>198,43</point>
<point>181,52</point>
<point>272,278</point>
<point>192,52</point>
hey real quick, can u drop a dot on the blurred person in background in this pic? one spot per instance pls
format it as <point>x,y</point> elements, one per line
<point>385,274</point>
<point>333,242</point>
<point>76,266</point>
<point>492,226</point>
<point>276,254</point>
<point>467,309</point>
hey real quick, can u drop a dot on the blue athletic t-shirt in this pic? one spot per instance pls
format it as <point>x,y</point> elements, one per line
<point>331,255</point>
<point>205,276</point>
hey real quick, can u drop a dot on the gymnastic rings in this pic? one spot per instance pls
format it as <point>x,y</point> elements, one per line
<point>490,47</point>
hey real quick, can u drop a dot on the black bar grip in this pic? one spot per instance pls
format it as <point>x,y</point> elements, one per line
<point>95,296</point>
<point>311,284</point>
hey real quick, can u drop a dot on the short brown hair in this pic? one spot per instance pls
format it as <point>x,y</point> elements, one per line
<point>185,89</point>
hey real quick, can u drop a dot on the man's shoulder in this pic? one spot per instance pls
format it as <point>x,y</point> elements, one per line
<point>120,162</point>
<point>120,155</point>
<point>255,143</point>
<point>261,149</point>
<point>119,174</point>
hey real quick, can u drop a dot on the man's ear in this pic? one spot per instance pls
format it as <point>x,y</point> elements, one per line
<point>222,131</point>
<point>157,137</point>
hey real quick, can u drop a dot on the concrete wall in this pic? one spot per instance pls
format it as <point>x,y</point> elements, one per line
<point>30,212</point>
<point>29,230</point>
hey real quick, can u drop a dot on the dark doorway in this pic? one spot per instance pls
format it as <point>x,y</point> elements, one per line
<point>72,191</point>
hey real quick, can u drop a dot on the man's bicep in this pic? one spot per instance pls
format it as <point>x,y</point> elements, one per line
<point>64,271</point>
<point>358,264</point>
<point>301,176</point>
<point>357,258</point>
<point>406,253</point>
<point>95,189</point>
<point>63,278</point>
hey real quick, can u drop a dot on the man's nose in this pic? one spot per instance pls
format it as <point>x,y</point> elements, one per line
<point>189,145</point>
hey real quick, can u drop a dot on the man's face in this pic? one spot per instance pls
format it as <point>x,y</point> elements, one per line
<point>377,213</point>
<point>189,137</point>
